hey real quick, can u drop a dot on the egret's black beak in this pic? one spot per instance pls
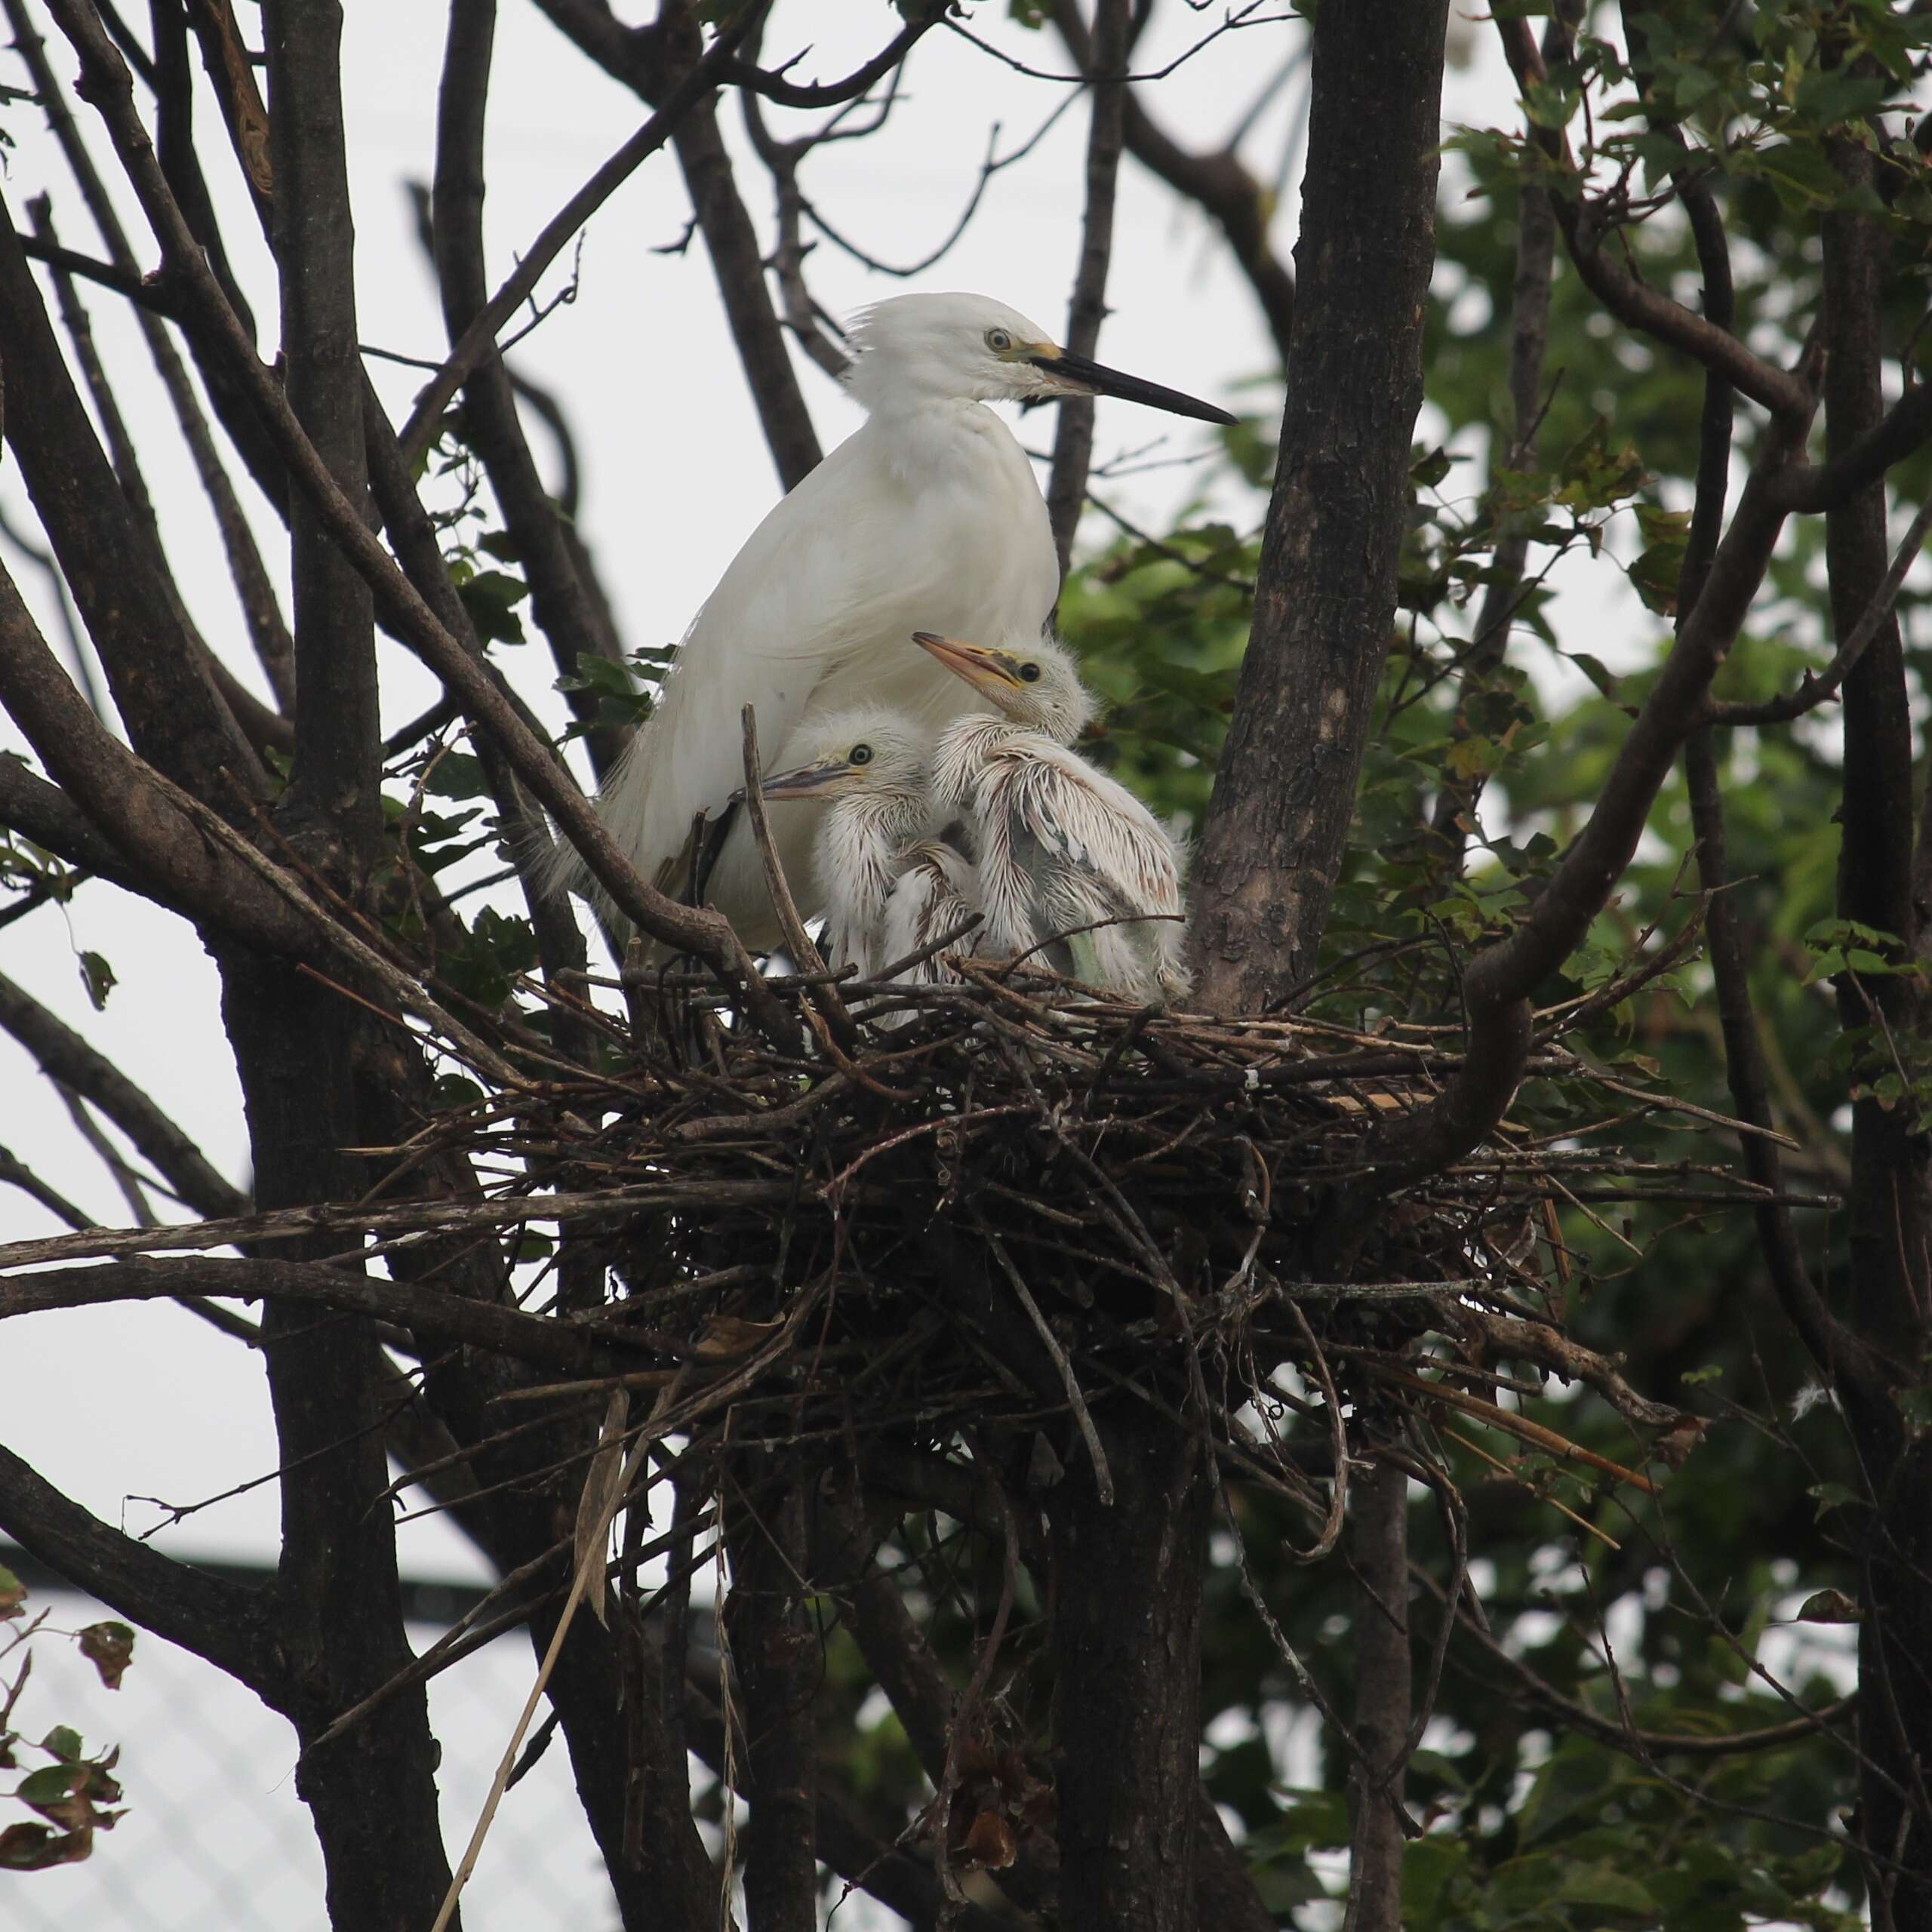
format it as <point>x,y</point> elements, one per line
<point>1096,378</point>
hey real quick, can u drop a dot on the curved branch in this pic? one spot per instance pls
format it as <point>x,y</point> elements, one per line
<point>1813,691</point>
<point>127,801</point>
<point>1901,432</point>
<point>65,1057</point>
<point>771,84</point>
<point>506,1331</point>
<point>1783,393</point>
<point>1498,982</point>
<point>228,1624</point>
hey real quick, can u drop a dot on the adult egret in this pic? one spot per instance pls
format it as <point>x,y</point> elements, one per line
<point>874,766</point>
<point>928,515</point>
<point>1070,862</point>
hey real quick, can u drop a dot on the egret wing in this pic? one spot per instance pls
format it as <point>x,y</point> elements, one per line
<point>817,610</point>
<point>1101,861</point>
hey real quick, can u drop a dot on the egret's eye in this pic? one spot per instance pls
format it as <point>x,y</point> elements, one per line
<point>1030,673</point>
<point>999,341</point>
<point>860,754</point>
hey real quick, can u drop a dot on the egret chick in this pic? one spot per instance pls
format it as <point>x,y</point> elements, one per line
<point>872,765</point>
<point>1062,846</point>
<point>928,515</point>
<point>936,892</point>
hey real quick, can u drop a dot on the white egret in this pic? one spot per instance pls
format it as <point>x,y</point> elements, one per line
<point>936,892</point>
<point>874,766</point>
<point>928,515</point>
<point>1070,862</point>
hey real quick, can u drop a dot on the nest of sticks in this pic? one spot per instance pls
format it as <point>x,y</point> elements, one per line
<point>873,1226</point>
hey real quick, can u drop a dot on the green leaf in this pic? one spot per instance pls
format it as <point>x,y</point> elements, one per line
<point>1426,471</point>
<point>1834,1496</point>
<point>97,976</point>
<point>64,1743</point>
<point>490,598</point>
<point>1914,1407</point>
<point>49,1785</point>
<point>1654,576</point>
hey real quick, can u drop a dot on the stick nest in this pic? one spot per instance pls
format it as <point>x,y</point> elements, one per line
<point>896,1228</point>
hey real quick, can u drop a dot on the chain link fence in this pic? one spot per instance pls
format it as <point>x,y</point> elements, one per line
<point>215,1838</point>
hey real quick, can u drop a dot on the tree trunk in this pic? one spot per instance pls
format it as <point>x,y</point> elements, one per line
<point>1325,597</point>
<point>1378,1547</point>
<point>1126,1646</point>
<point>1888,1286</point>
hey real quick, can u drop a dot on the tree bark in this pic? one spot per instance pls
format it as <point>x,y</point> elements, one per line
<point>338,732</point>
<point>1378,1548</point>
<point>1888,1280</point>
<point>775,1650</point>
<point>1108,49</point>
<point>1325,598</point>
<point>1127,1648</point>
<point>318,1076</point>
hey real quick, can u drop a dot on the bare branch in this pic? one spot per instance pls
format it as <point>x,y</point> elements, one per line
<point>225,1623</point>
<point>1815,688</point>
<point>65,1057</point>
<point>652,64</point>
<point>1902,431</point>
<point>569,607</point>
<point>573,1347</point>
<point>478,340</point>
<point>1111,41</point>
<point>159,678</point>
<point>1217,182</point>
<point>771,84</point>
<point>157,841</point>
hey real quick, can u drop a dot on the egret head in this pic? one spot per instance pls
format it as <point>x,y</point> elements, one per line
<point>920,349</point>
<point>1034,682</point>
<point>866,752</point>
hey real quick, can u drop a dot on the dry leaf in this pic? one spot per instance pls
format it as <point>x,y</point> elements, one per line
<point>595,1506</point>
<point>725,1335</point>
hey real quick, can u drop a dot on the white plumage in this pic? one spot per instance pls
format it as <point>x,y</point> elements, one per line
<point>928,517</point>
<point>1072,867</point>
<point>872,766</point>
<point>936,892</point>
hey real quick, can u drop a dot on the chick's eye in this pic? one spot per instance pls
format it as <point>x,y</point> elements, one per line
<point>999,341</point>
<point>860,754</point>
<point>1029,674</point>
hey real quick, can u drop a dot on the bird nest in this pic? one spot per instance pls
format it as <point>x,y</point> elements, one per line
<point>893,1228</point>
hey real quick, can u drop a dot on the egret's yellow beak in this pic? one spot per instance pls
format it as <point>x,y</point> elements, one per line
<point>981,665</point>
<point>1078,377</point>
<point>807,781</point>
